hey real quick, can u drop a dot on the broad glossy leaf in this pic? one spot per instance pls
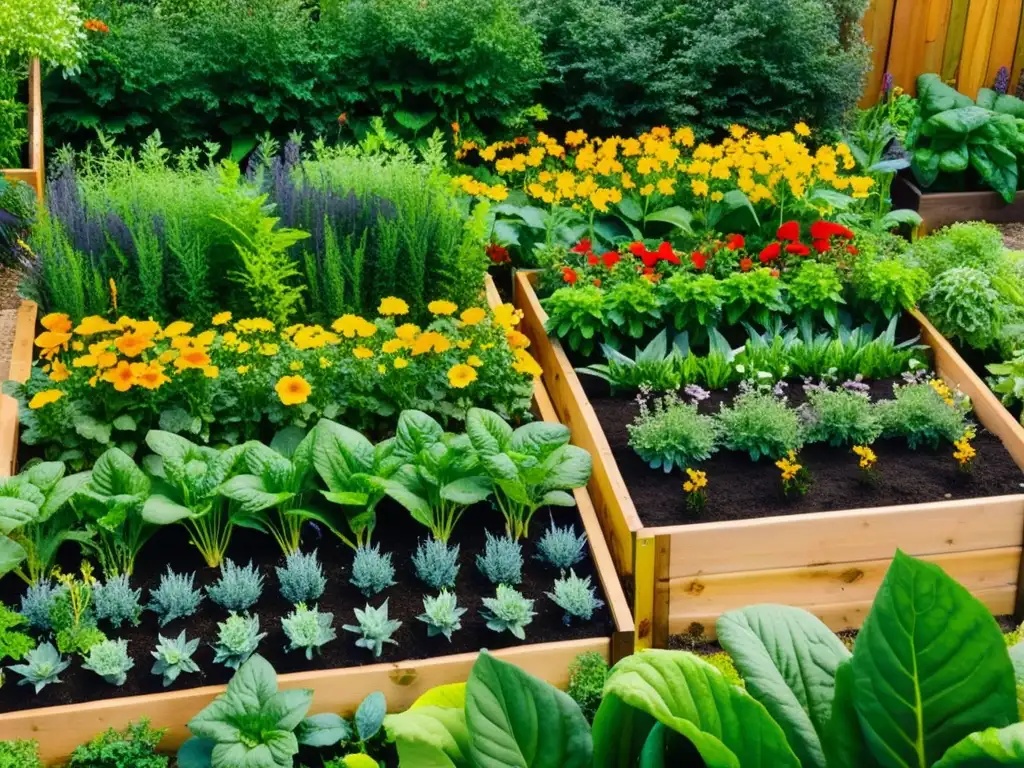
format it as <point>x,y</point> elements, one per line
<point>788,660</point>
<point>168,445</point>
<point>116,474</point>
<point>45,474</point>
<point>196,753</point>
<point>323,730</point>
<point>340,453</point>
<point>539,438</point>
<point>415,431</point>
<point>993,746</point>
<point>728,728</point>
<point>558,499</point>
<point>567,468</point>
<point>930,667</point>
<point>286,709</point>
<point>843,739</point>
<point>631,209</point>
<point>450,695</point>
<point>370,715</point>
<point>15,513</point>
<point>430,737</point>
<point>467,490</point>
<point>488,432</point>
<point>12,554</point>
<point>620,733</point>
<point>161,510</point>
<point>518,721</point>
<point>249,491</point>
<point>676,215</point>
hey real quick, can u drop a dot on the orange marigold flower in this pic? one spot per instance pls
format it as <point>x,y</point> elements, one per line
<point>122,377</point>
<point>293,390</point>
<point>192,357</point>
<point>57,322</point>
<point>133,344</point>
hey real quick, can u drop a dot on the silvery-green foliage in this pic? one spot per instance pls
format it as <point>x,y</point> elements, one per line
<point>576,597</point>
<point>436,563</point>
<point>42,667</point>
<point>116,602</point>
<point>372,572</point>
<point>375,628</point>
<point>308,629</point>
<point>110,660</point>
<point>175,597</point>
<point>302,579</point>
<point>502,560</point>
<point>37,602</point>
<point>237,640</point>
<point>561,547</point>
<point>173,657</point>
<point>238,588</point>
<point>442,614</point>
<point>508,611</point>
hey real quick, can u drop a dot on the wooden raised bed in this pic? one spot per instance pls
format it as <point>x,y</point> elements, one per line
<point>34,175</point>
<point>939,209</point>
<point>830,563</point>
<point>60,729</point>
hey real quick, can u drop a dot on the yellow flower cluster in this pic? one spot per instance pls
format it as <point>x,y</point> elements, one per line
<point>965,452</point>
<point>789,466</point>
<point>471,186</point>
<point>668,163</point>
<point>867,457</point>
<point>943,391</point>
<point>698,481</point>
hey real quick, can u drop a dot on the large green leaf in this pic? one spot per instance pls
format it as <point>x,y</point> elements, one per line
<point>12,554</point>
<point>518,721</point>
<point>415,431</point>
<point>340,453</point>
<point>14,513</point>
<point>676,215</point>
<point>161,510</point>
<point>61,493</point>
<point>788,660</point>
<point>488,432</point>
<point>998,167</point>
<point>843,739</point>
<point>930,667</point>
<point>45,475</point>
<point>116,474</point>
<point>567,468</point>
<point>430,737</point>
<point>620,733</point>
<point>248,490</point>
<point>539,438</point>
<point>728,728</point>
<point>993,746</point>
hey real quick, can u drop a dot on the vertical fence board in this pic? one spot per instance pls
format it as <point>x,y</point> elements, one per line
<point>981,24</point>
<point>956,27</point>
<point>1004,39</point>
<point>877,31</point>
<point>907,49</point>
<point>935,35</point>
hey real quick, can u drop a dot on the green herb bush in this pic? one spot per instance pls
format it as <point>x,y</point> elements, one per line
<point>670,433</point>
<point>840,417</point>
<point>23,753</point>
<point>920,415</point>
<point>963,305</point>
<point>587,675</point>
<point>973,244</point>
<point>761,425</point>
<point>133,747</point>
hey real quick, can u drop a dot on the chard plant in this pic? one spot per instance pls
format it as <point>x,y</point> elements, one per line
<point>36,519</point>
<point>186,489</point>
<point>271,493</point>
<point>441,475</point>
<point>111,503</point>
<point>531,467</point>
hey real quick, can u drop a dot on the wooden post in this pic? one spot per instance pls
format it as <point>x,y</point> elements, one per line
<point>35,174</point>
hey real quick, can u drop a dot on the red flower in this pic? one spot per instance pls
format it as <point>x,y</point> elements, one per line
<point>498,254</point>
<point>735,242</point>
<point>569,275</point>
<point>597,282</point>
<point>852,250</point>
<point>821,246</point>
<point>789,231</point>
<point>825,230</point>
<point>700,260</point>
<point>637,249</point>
<point>611,258</point>
<point>583,246</point>
<point>592,260</point>
<point>665,253</point>
<point>95,25</point>
<point>746,264</point>
<point>775,273</point>
<point>770,253</point>
<point>798,249</point>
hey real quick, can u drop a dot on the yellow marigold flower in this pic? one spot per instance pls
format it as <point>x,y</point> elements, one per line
<point>230,339</point>
<point>461,376</point>
<point>464,344</point>
<point>325,363</point>
<point>269,349</point>
<point>254,325</point>
<point>244,347</point>
<point>474,361</point>
<point>122,377</point>
<point>177,328</point>
<point>647,190</point>
<point>211,372</point>
<point>242,370</point>
<point>192,357</point>
<point>146,327</point>
<point>507,316</point>
<point>802,129</point>
<point>362,353</point>
<point>400,363</point>
<point>526,365</point>
<point>866,455</point>
<point>221,318</point>
<point>473,315</point>
<point>77,346</point>
<point>667,186</point>
<point>392,345</point>
<point>442,308</point>
<point>700,188</point>
<point>58,322</point>
<point>293,390</point>
<point>860,186</point>
<point>59,372</point>
<point>698,480</point>
<point>737,131</point>
<point>391,305</point>
<point>684,136</point>
<point>575,138</point>
<point>133,344</point>
<point>295,365</point>
<point>431,341</point>
<point>351,326</point>
<point>205,338</point>
<point>408,331</point>
<point>47,396</point>
<point>149,376</point>
<point>626,180</point>
<point>381,368</point>
<point>517,340</point>
<point>717,197</point>
<point>50,343</point>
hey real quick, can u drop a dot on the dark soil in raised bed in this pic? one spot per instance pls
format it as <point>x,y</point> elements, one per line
<point>740,489</point>
<point>396,533</point>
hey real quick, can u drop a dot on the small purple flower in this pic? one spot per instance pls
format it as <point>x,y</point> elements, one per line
<point>888,83</point>
<point>854,385</point>
<point>1002,84</point>
<point>779,390</point>
<point>696,393</point>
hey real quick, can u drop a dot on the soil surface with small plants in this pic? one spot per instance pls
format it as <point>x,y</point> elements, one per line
<point>395,533</point>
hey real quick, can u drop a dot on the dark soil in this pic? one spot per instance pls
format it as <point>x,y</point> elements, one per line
<point>503,277</point>
<point>1013,235</point>
<point>396,533</point>
<point>740,489</point>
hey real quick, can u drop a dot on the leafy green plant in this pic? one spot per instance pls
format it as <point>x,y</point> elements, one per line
<point>372,571</point>
<point>237,640</point>
<point>560,547</point>
<point>186,482</point>
<point>72,617</point>
<point>532,466</point>
<point>134,747</point>
<point>442,614</point>
<point>888,285</point>
<point>37,603</point>
<point>693,302</point>
<point>754,296</point>
<point>251,723</point>
<point>116,602</point>
<point>974,244</point>
<point>630,309</point>
<point>839,417</point>
<point>308,629</point>
<point>963,305</point>
<point>441,475</point>
<point>671,433</point>
<point>271,493</point>
<point>175,597</point>
<point>328,729</point>
<point>920,415</point>
<point>174,657</point>
<point>111,503</point>
<point>502,560</point>
<point>436,563</point>
<point>14,644</point>
<point>655,366</point>
<point>576,597</point>
<point>110,660</point>
<point>23,753</point>
<point>36,519</point>
<point>355,472</point>
<point>817,289</point>
<point>302,579</point>
<point>508,611</point>
<point>1007,379</point>
<point>576,317</point>
<point>587,675</point>
<point>42,667</point>
<point>374,628</point>
<point>761,425</point>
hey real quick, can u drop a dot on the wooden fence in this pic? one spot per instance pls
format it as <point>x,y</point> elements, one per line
<point>966,41</point>
<point>35,174</point>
